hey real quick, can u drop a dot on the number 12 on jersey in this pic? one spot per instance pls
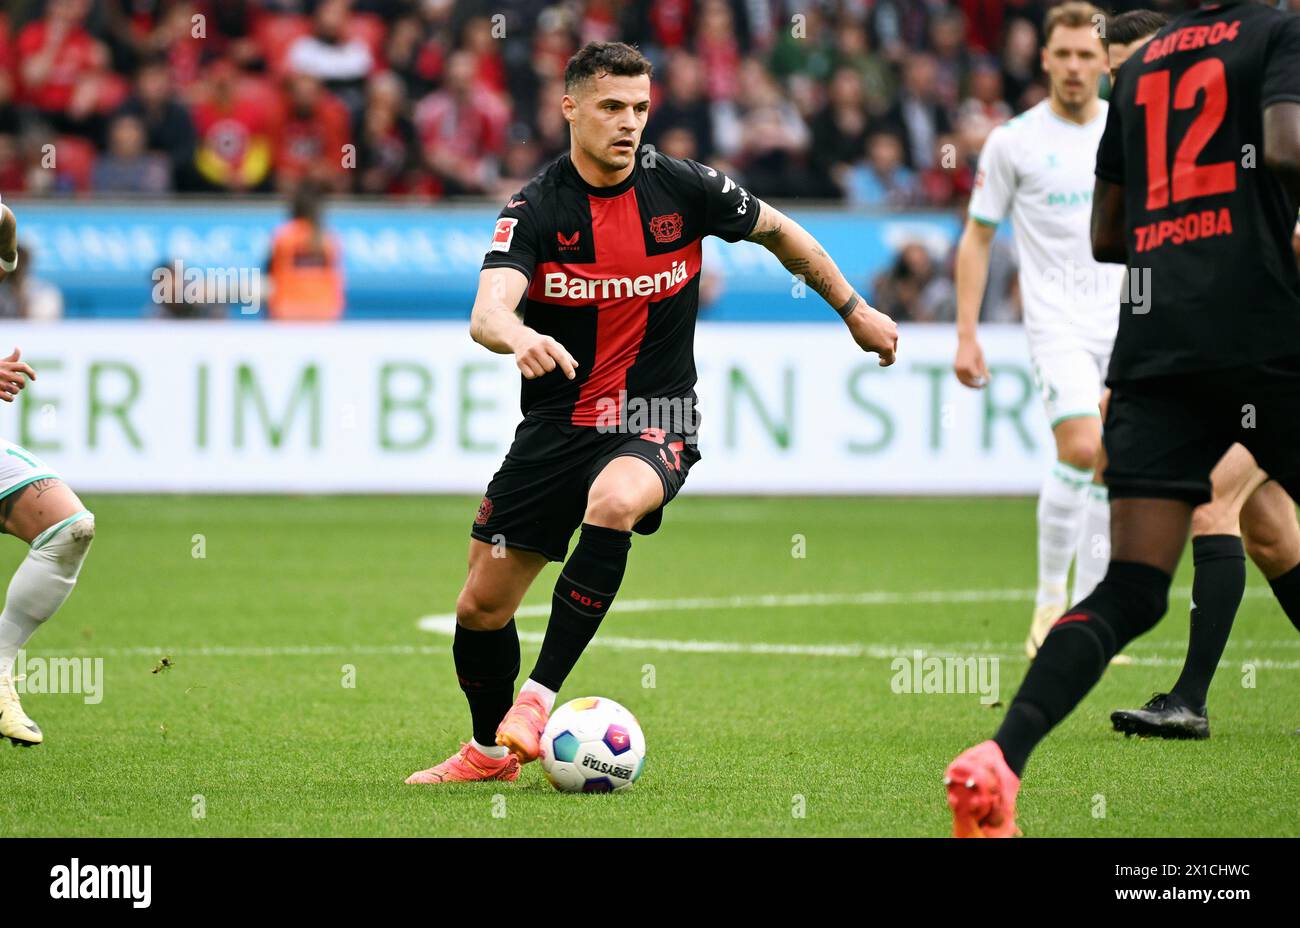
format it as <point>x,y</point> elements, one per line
<point>1190,180</point>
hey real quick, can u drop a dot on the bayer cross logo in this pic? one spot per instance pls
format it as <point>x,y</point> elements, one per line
<point>666,228</point>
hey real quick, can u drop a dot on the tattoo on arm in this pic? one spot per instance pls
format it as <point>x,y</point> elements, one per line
<point>766,235</point>
<point>768,227</point>
<point>802,267</point>
<point>849,305</point>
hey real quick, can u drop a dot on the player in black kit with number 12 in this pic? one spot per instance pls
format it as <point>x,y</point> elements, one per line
<point>1214,359</point>
<point>592,283</point>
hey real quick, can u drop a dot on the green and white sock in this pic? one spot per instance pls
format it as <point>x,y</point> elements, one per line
<point>42,582</point>
<point>1093,553</point>
<point>1060,519</point>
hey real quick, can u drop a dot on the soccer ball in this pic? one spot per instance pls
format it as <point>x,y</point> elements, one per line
<point>592,745</point>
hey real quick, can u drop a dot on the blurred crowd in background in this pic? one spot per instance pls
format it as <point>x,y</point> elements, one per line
<point>868,103</point>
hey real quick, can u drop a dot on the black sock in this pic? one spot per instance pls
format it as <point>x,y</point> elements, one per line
<point>583,594</point>
<point>1128,601</point>
<point>1287,590</point>
<point>1217,588</point>
<point>487,663</point>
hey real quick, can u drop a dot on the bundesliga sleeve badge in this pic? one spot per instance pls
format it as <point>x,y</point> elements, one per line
<point>504,234</point>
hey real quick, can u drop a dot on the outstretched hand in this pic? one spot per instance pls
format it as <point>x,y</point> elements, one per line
<point>12,371</point>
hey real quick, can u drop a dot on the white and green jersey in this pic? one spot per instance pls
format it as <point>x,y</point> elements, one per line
<point>19,467</point>
<point>1038,169</point>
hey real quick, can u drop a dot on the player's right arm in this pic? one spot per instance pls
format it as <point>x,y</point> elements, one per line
<point>496,325</point>
<point>1108,230</point>
<point>1282,144</point>
<point>1108,223</point>
<point>990,202</point>
<point>972,275</point>
<point>495,322</point>
<point>12,372</point>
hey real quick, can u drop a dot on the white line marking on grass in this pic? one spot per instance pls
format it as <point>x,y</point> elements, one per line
<point>1009,651</point>
<point>445,624</point>
<point>874,598</point>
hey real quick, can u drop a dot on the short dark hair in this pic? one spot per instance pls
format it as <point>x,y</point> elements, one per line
<point>1127,28</point>
<point>596,58</point>
<point>1073,14</point>
<point>306,201</point>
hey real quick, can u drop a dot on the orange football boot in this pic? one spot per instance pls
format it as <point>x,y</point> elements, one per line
<point>467,765</point>
<point>521,729</point>
<point>982,793</point>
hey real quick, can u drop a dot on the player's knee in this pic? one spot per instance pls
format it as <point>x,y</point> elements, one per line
<point>1079,451</point>
<point>1129,602</point>
<point>614,507</point>
<point>68,543</point>
<point>83,530</point>
<point>1217,517</point>
<point>482,611</point>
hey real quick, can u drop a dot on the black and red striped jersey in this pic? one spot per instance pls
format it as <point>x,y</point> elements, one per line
<point>1212,274</point>
<point>614,277</point>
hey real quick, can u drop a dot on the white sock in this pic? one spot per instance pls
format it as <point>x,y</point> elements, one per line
<point>546,695</point>
<point>495,751</point>
<point>42,582</point>
<point>1060,517</point>
<point>1093,555</point>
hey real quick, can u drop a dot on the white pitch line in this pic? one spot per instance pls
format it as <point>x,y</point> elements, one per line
<point>444,624</point>
<point>874,598</point>
<point>871,652</point>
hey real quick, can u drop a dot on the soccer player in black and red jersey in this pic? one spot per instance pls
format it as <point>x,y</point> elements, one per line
<point>1246,506</point>
<point>1198,181</point>
<point>592,283</point>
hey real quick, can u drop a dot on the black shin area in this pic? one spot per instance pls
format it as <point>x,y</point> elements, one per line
<point>1128,602</point>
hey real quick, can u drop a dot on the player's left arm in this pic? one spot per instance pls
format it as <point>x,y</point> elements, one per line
<point>1108,226</point>
<point>802,255</point>
<point>8,240</point>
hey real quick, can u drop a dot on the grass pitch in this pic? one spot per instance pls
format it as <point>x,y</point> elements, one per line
<point>766,700</point>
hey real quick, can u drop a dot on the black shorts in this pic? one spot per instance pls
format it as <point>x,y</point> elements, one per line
<point>1164,435</point>
<point>538,497</point>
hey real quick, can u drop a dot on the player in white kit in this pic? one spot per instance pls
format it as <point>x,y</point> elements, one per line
<point>1037,170</point>
<point>37,507</point>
